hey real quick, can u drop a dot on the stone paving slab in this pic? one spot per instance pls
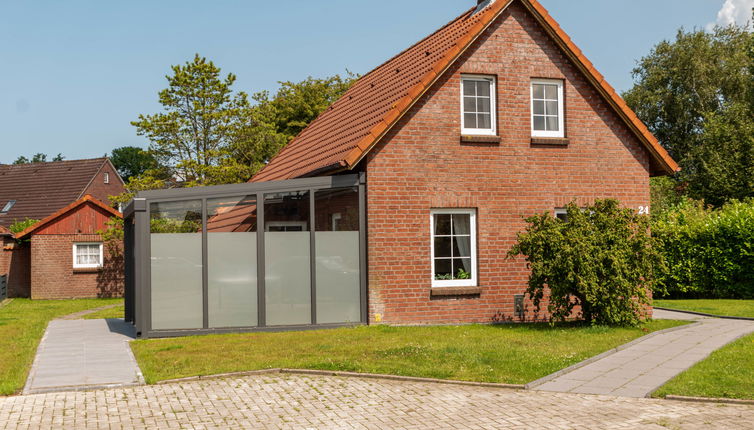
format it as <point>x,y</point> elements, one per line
<point>644,366</point>
<point>329,402</point>
<point>81,354</point>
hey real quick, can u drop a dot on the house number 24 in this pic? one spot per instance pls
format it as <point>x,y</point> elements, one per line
<point>643,210</point>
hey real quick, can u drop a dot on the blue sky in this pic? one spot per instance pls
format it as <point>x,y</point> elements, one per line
<point>74,73</point>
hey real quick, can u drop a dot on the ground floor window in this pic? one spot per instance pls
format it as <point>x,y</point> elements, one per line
<point>87,255</point>
<point>453,233</point>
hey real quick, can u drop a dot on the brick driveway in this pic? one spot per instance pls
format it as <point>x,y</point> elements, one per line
<point>324,402</point>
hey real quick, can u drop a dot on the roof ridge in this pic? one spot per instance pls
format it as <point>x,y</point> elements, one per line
<point>47,163</point>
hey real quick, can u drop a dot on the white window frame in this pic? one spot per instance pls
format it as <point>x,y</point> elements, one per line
<point>87,266</point>
<point>301,224</point>
<point>561,108</point>
<point>107,177</point>
<point>560,211</point>
<point>439,283</point>
<point>493,106</point>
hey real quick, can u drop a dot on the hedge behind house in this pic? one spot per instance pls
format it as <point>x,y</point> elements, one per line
<point>709,252</point>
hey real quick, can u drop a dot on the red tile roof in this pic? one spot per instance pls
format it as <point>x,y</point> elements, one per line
<point>40,189</point>
<point>342,135</point>
<point>87,199</point>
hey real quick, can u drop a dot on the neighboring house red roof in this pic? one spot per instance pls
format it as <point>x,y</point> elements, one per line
<point>40,189</point>
<point>5,232</point>
<point>342,135</point>
<point>87,199</point>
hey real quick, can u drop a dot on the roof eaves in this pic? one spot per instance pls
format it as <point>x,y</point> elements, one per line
<point>86,199</point>
<point>425,83</point>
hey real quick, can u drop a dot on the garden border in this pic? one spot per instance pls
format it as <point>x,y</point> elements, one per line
<point>706,315</point>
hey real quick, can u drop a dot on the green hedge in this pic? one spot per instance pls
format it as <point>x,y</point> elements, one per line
<point>709,252</point>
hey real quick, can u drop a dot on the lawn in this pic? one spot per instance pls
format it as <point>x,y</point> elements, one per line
<point>22,324</point>
<point>727,372</point>
<point>731,308</point>
<point>116,312</point>
<point>513,353</point>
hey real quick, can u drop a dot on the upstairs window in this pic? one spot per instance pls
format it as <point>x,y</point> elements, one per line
<point>107,178</point>
<point>547,115</point>
<point>453,247</point>
<point>478,105</point>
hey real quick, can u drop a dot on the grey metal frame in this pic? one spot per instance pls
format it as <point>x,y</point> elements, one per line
<point>138,276</point>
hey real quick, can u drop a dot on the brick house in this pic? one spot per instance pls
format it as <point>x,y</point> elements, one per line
<point>68,198</point>
<point>494,117</point>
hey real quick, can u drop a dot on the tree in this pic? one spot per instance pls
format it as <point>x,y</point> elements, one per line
<point>295,105</point>
<point>132,161</point>
<point>691,93</point>
<point>602,258</point>
<point>201,118</point>
<point>37,158</point>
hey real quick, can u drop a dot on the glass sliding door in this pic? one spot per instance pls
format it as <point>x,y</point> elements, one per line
<point>287,258</point>
<point>337,255</point>
<point>176,265</point>
<point>232,262</point>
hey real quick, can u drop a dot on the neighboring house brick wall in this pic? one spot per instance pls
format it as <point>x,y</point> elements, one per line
<point>14,262</point>
<point>421,164</point>
<point>98,189</point>
<point>53,275</point>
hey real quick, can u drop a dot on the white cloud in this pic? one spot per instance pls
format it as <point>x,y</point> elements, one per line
<point>734,12</point>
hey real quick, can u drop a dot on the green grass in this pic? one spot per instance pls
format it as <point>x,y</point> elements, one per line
<point>116,312</point>
<point>731,308</point>
<point>22,324</point>
<point>508,353</point>
<point>727,372</point>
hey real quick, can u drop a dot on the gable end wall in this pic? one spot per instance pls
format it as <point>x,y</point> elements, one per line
<point>421,164</point>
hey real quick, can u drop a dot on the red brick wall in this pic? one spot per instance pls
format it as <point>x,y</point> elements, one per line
<point>100,190</point>
<point>15,263</point>
<point>53,275</point>
<point>421,165</point>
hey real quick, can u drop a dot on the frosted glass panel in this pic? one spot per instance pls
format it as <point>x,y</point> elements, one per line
<point>232,279</point>
<point>287,278</point>
<point>176,280</point>
<point>338,295</point>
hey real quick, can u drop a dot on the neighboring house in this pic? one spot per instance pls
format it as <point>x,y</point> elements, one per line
<point>400,202</point>
<point>40,191</point>
<point>496,116</point>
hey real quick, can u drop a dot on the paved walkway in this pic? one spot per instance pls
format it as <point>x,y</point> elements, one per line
<point>77,354</point>
<point>324,402</point>
<point>643,367</point>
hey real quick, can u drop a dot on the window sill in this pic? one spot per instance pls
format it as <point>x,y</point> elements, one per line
<point>455,291</point>
<point>550,141</point>
<point>87,269</point>
<point>479,138</point>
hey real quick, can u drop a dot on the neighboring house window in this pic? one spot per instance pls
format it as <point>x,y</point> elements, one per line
<point>478,105</point>
<point>547,114</point>
<point>8,206</point>
<point>561,214</point>
<point>87,255</point>
<point>453,233</point>
<point>279,226</point>
<point>107,177</point>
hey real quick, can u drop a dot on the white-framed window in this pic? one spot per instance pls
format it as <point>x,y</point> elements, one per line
<point>478,105</point>
<point>107,178</point>
<point>453,235</point>
<point>561,214</point>
<point>280,226</point>
<point>547,112</point>
<point>87,255</point>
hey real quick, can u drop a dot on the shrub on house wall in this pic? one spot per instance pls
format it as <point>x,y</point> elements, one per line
<point>709,252</point>
<point>601,258</point>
